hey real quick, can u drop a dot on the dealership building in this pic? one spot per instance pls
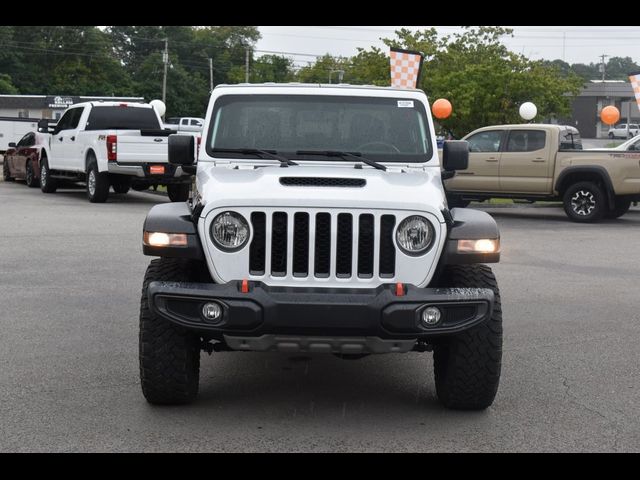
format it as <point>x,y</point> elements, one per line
<point>48,106</point>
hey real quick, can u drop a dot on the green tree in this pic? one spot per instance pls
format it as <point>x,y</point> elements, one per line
<point>6,86</point>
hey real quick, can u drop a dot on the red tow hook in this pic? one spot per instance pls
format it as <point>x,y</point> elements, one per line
<point>244,287</point>
<point>399,290</point>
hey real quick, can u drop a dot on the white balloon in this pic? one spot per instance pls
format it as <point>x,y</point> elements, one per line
<point>528,111</point>
<point>159,106</point>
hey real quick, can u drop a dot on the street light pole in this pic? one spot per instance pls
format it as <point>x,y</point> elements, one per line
<point>165,59</point>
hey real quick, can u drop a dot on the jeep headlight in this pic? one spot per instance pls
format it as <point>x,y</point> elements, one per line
<point>415,235</point>
<point>229,231</point>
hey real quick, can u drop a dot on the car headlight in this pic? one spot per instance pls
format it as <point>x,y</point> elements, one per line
<point>229,231</point>
<point>415,235</point>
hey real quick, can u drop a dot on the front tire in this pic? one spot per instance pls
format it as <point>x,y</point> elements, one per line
<point>47,184</point>
<point>30,179</point>
<point>611,135</point>
<point>169,355</point>
<point>467,366</point>
<point>178,192</point>
<point>584,202</point>
<point>97,182</point>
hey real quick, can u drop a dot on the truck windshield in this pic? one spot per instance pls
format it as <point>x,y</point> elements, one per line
<point>122,118</point>
<point>382,129</point>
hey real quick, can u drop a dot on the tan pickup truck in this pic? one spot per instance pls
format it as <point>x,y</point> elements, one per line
<point>535,162</point>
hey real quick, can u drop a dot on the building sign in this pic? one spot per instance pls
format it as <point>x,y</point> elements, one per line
<point>60,102</point>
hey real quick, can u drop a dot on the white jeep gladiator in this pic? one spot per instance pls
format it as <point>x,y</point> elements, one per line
<point>117,144</point>
<point>320,224</point>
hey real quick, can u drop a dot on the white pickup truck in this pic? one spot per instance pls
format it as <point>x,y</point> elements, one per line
<point>110,144</point>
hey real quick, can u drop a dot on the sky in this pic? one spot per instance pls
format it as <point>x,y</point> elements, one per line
<point>574,44</point>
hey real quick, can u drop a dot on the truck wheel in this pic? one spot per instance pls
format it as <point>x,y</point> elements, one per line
<point>29,177</point>
<point>47,184</point>
<point>121,186</point>
<point>621,207</point>
<point>178,192</point>
<point>6,175</point>
<point>169,355</point>
<point>97,183</point>
<point>467,365</point>
<point>584,202</point>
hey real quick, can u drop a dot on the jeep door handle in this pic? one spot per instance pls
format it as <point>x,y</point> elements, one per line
<point>491,159</point>
<point>538,160</point>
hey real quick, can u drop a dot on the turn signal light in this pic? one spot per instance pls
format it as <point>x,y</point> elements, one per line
<point>161,239</point>
<point>484,245</point>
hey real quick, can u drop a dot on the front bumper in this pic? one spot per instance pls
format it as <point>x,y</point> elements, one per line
<point>173,173</point>
<point>319,319</point>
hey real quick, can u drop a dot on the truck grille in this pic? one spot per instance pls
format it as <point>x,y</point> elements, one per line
<point>322,245</point>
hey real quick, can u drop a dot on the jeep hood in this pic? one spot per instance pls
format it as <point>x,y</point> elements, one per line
<point>226,187</point>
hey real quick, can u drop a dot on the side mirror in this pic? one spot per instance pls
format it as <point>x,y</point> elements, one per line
<point>182,149</point>
<point>12,144</point>
<point>43,125</point>
<point>455,155</point>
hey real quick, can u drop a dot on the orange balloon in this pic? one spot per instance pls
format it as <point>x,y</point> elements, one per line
<point>610,115</point>
<point>441,108</point>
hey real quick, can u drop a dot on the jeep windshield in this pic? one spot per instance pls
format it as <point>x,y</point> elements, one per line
<point>382,129</point>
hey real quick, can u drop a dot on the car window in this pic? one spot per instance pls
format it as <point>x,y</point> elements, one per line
<point>123,118</point>
<point>65,121</point>
<point>634,145</point>
<point>75,119</point>
<point>570,139</point>
<point>195,122</point>
<point>633,125</point>
<point>27,141</point>
<point>173,121</point>
<point>485,141</point>
<point>526,140</point>
<point>184,121</point>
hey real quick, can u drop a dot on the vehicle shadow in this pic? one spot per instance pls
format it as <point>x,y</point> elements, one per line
<point>132,197</point>
<point>317,384</point>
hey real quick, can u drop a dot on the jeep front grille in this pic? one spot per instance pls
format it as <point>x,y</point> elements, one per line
<point>322,245</point>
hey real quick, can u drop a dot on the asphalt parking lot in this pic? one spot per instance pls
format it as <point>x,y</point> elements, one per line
<point>70,279</point>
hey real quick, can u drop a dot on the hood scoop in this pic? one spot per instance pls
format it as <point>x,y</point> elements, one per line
<point>322,182</point>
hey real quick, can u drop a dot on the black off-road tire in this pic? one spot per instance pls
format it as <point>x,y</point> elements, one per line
<point>467,365</point>
<point>169,354</point>
<point>178,192</point>
<point>97,182</point>
<point>6,175</point>
<point>591,193</point>
<point>29,177</point>
<point>47,184</point>
<point>621,207</point>
<point>121,187</point>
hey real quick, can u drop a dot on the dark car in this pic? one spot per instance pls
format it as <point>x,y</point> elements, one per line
<point>21,160</point>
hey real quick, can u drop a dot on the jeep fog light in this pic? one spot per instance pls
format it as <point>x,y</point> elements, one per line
<point>212,311</point>
<point>431,316</point>
<point>229,231</point>
<point>484,245</point>
<point>415,235</point>
<point>161,239</point>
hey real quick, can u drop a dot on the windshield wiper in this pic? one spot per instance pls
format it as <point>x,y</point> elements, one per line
<point>284,161</point>
<point>343,155</point>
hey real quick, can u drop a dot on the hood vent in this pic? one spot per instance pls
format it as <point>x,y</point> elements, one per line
<point>322,182</point>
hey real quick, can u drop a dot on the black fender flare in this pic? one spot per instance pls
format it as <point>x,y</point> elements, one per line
<point>470,224</point>
<point>590,169</point>
<point>175,217</point>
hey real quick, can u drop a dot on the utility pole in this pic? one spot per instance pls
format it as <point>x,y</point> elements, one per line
<point>603,56</point>
<point>564,38</point>
<point>246,66</point>
<point>165,59</point>
<point>210,74</point>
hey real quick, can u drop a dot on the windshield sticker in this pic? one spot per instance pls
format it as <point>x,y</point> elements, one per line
<point>405,103</point>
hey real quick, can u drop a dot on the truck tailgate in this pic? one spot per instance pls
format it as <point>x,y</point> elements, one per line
<point>134,148</point>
